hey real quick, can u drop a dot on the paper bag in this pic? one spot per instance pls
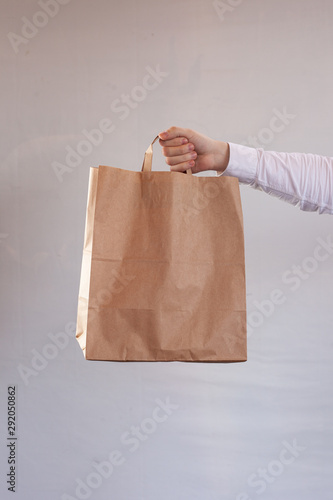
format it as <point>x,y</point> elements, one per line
<point>163,271</point>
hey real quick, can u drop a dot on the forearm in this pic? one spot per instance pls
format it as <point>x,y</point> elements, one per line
<point>301,179</point>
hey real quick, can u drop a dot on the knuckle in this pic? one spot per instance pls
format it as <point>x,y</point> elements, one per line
<point>191,156</point>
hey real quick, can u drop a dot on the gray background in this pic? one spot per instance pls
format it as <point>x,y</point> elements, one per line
<point>226,69</point>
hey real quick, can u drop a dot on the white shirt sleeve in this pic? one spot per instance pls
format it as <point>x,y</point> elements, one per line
<point>305,180</point>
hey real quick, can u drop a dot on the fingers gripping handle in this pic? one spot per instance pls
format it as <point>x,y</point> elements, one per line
<point>148,159</point>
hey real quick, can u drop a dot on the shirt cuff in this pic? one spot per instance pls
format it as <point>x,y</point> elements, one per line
<point>243,163</point>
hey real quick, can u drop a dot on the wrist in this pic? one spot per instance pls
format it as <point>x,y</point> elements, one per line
<point>222,156</point>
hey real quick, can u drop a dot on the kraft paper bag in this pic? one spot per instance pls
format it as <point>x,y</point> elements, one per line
<point>163,268</point>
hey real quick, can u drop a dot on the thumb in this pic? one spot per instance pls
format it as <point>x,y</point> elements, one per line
<point>173,132</point>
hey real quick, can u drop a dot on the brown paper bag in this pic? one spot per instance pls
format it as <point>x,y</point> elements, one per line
<point>163,273</point>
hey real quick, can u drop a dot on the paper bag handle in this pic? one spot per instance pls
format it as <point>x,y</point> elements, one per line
<point>148,159</point>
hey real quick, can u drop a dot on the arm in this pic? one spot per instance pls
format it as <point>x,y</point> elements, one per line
<point>301,179</point>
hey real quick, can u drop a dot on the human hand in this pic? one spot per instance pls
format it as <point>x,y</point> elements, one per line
<point>185,148</point>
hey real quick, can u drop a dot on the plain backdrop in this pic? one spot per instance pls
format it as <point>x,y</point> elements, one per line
<point>259,429</point>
